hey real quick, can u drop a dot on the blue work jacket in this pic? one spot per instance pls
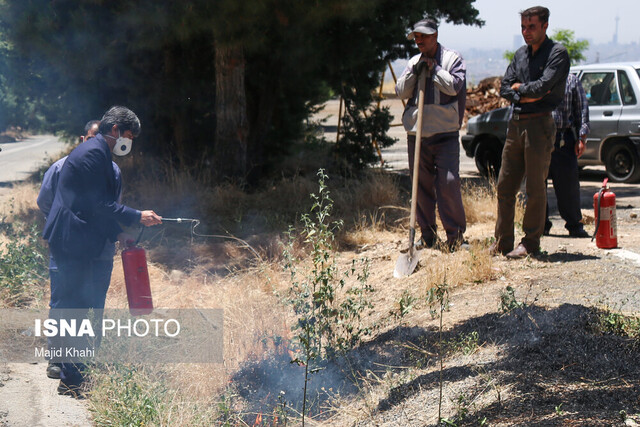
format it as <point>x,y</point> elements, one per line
<point>85,212</point>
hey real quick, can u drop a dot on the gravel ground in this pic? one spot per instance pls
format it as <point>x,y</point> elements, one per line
<point>542,365</point>
<point>547,363</point>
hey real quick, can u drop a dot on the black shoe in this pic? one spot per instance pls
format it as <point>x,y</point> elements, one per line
<point>495,249</point>
<point>53,371</point>
<point>581,233</point>
<point>70,389</point>
<point>426,243</point>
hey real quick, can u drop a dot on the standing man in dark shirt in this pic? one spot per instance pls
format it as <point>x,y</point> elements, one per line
<point>572,122</point>
<point>534,83</point>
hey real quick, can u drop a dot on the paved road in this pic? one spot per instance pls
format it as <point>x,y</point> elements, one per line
<point>19,159</point>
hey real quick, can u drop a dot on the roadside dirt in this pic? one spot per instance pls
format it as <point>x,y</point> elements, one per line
<point>29,398</point>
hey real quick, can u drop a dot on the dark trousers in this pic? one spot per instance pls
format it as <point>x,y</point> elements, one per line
<point>439,181</point>
<point>563,172</point>
<point>526,153</point>
<point>77,287</point>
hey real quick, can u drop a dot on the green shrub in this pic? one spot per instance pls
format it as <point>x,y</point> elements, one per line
<point>125,396</point>
<point>328,324</point>
<point>23,264</point>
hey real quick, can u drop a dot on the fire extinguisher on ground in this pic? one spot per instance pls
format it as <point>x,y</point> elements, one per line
<point>136,278</point>
<point>604,205</point>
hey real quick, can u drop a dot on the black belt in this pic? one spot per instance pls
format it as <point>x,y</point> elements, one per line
<point>526,116</point>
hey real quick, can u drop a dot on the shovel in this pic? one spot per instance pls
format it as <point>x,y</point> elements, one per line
<point>407,262</point>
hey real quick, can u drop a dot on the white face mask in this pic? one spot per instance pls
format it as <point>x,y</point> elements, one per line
<point>123,146</point>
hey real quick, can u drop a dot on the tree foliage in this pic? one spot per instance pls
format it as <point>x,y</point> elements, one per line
<point>75,58</point>
<point>575,48</point>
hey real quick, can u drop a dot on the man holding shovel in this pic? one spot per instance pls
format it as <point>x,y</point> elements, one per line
<point>439,75</point>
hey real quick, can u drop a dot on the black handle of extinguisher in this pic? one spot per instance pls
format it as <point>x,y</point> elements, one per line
<point>139,236</point>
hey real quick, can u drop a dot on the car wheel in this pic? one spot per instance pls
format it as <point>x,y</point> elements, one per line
<point>488,158</point>
<point>622,163</point>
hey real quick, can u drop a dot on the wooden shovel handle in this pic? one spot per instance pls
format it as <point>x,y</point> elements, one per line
<point>416,161</point>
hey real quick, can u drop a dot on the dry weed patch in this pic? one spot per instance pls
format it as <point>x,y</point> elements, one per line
<point>21,204</point>
<point>480,202</point>
<point>460,268</point>
<point>254,322</point>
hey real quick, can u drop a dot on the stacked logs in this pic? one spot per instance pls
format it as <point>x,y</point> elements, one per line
<point>484,97</point>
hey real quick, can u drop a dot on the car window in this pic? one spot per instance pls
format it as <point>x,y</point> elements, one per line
<point>628,97</point>
<point>638,71</point>
<point>601,88</point>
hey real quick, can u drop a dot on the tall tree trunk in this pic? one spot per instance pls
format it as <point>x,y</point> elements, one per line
<point>179,118</point>
<point>260,123</point>
<point>232,125</point>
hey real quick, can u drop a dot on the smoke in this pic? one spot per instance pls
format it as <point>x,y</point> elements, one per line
<point>263,384</point>
<point>266,383</point>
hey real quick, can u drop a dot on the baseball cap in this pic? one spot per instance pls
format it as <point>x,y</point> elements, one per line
<point>425,26</point>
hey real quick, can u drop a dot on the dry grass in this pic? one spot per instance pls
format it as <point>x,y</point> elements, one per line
<point>463,267</point>
<point>20,203</point>
<point>480,202</point>
<point>252,316</point>
<point>374,206</point>
<point>480,205</point>
<point>228,208</point>
<point>244,297</point>
<point>372,191</point>
<point>257,217</point>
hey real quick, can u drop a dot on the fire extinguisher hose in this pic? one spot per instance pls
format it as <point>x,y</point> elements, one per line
<point>196,222</point>
<point>600,193</point>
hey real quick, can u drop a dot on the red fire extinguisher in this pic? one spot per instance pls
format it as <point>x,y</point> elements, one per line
<point>604,205</point>
<point>136,278</point>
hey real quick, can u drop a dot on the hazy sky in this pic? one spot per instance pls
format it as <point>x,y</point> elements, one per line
<point>593,20</point>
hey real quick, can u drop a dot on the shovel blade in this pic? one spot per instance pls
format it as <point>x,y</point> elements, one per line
<point>406,264</point>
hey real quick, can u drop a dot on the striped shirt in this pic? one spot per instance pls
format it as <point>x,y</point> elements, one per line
<point>573,112</point>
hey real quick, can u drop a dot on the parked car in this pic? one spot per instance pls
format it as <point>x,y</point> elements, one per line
<point>613,92</point>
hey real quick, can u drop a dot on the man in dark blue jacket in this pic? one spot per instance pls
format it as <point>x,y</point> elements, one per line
<point>103,264</point>
<point>84,215</point>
